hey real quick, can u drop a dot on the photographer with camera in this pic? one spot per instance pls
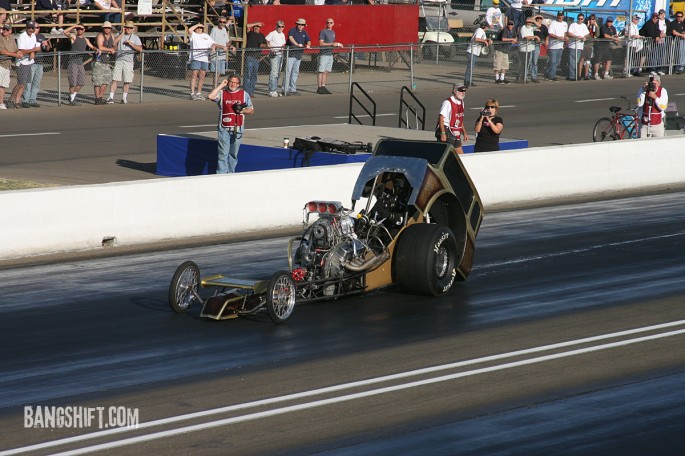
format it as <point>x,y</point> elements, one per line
<point>652,101</point>
<point>488,127</point>
<point>234,103</point>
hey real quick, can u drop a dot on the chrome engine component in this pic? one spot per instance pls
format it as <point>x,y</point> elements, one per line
<point>336,245</point>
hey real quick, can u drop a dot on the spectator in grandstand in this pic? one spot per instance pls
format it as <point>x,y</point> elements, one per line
<point>4,8</point>
<point>111,6</point>
<point>298,39</point>
<point>30,97</point>
<point>654,48</point>
<point>542,33</point>
<point>234,103</point>
<point>677,31</point>
<point>264,2</point>
<point>128,45</point>
<point>254,43</point>
<point>478,40</point>
<point>326,43</point>
<point>276,41</point>
<point>507,36</point>
<point>102,71</point>
<point>577,34</point>
<point>636,58</point>
<point>494,17</point>
<point>221,37</point>
<point>450,127</point>
<point>516,12</point>
<point>8,51</point>
<point>557,38</point>
<point>652,101</point>
<point>200,46</point>
<point>217,6</point>
<point>76,70</point>
<point>609,37</point>
<point>56,16</point>
<point>488,127</point>
<point>28,45</point>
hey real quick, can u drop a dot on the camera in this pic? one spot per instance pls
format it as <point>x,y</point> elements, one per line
<point>485,113</point>
<point>651,87</point>
<point>238,107</point>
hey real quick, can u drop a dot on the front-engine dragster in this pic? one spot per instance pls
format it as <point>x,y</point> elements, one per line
<point>417,229</point>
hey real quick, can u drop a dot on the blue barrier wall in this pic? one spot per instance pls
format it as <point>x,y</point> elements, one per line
<point>190,155</point>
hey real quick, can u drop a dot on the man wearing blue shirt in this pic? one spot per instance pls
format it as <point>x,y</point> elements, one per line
<point>298,40</point>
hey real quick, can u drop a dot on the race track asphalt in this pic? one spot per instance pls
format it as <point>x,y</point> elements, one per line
<point>96,144</point>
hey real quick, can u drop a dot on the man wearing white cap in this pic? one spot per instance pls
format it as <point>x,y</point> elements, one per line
<point>298,39</point>
<point>652,101</point>
<point>102,71</point>
<point>450,126</point>
<point>128,45</point>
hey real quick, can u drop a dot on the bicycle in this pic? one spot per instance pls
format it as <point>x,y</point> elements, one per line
<point>622,125</point>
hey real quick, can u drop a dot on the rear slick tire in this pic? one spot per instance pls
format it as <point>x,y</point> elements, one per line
<point>426,259</point>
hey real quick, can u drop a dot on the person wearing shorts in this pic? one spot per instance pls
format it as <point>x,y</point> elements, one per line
<point>128,45</point>
<point>76,71</point>
<point>200,46</point>
<point>102,71</point>
<point>8,50</point>
<point>326,43</point>
<point>500,62</point>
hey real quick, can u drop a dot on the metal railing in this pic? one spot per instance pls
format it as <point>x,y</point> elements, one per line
<point>164,75</point>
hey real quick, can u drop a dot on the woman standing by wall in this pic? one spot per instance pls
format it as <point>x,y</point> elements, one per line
<point>488,126</point>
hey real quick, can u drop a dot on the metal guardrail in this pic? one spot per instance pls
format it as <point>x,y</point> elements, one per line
<point>353,98</point>
<point>411,109</point>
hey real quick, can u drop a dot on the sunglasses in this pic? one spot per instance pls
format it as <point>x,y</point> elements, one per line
<point>329,22</point>
<point>491,107</point>
<point>280,26</point>
<point>222,22</point>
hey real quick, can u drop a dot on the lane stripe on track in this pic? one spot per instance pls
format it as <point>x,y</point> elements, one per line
<point>356,384</point>
<point>31,134</point>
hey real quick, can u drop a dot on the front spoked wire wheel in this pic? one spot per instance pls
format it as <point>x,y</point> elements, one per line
<point>280,297</point>
<point>183,289</point>
<point>604,130</point>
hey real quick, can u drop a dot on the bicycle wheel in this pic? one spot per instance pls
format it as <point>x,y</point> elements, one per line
<point>604,130</point>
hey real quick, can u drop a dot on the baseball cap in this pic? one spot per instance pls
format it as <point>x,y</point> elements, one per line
<point>661,11</point>
<point>30,24</point>
<point>655,15</point>
<point>6,27</point>
<point>560,14</point>
<point>461,88</point>
<point>496,2</point>
<point>655,76</point>
<point>610,19</point>
<point>301,21</point>
<point>636,16</point>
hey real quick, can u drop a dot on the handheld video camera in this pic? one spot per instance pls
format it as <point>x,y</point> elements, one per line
<point>651,87</point>
<point>485,113</point>
<point>238,107</point>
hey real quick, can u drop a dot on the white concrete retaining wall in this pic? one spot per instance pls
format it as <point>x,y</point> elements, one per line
<point>78,218</point>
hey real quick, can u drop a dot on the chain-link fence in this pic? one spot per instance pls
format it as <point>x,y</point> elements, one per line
<point>166,75</point>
